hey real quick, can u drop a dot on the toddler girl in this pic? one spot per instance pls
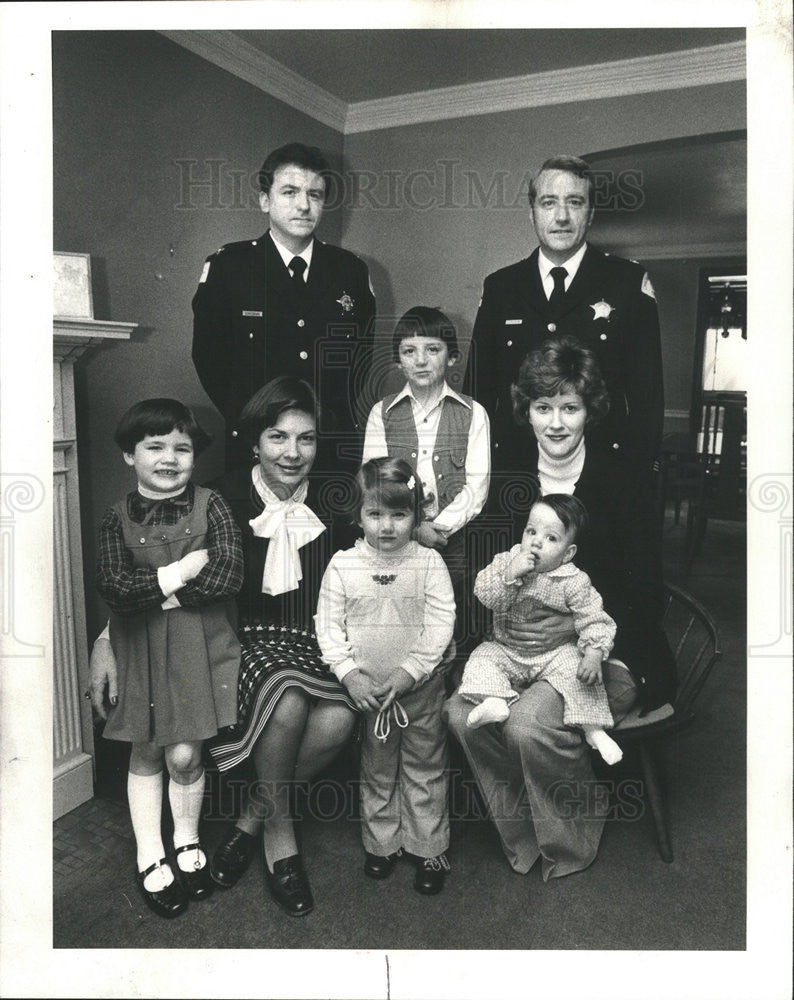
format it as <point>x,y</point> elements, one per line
<point>169,562</point>
<point>384,618</point>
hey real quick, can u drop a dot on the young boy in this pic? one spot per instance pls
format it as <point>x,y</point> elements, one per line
<point>443,435</point>
<point>539,572</point>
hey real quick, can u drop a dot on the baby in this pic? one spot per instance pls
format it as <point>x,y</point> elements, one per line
<point>540,572</point>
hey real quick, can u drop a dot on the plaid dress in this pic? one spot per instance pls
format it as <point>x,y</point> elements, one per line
<point>177,667</point>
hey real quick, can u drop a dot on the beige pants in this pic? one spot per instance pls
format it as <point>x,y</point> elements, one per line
<point>535,776</point>
<point>404,780</point>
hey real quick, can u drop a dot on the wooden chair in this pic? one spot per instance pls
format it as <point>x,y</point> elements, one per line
<point>695,642</point>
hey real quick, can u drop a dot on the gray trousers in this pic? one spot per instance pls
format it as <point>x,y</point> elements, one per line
<point>537,782</point>
<point>404,781</point>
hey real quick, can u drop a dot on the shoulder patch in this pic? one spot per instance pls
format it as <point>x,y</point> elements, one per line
<point>647,287</point>
<point>204,272</point>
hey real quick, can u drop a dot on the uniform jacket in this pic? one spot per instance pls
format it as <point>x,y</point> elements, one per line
<point>611,309</point>
<point>250,326</point>
<point>620,550</point>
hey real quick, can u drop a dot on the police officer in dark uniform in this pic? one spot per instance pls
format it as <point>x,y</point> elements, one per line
<point>568,288</point>
<point>288,304</point>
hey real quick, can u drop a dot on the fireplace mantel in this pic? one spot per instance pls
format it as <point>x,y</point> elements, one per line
<point>73,733</point>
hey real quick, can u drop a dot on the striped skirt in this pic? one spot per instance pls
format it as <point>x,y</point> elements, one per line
<point>274,658</point>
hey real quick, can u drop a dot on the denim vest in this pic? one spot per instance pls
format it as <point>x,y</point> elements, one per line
<point>449,449</point>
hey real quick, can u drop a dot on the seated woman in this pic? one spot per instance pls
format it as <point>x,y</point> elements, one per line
<point>533,771</point>
<point>293,714</point>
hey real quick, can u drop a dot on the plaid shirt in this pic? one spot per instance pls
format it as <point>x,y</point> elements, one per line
<point>128,589</point>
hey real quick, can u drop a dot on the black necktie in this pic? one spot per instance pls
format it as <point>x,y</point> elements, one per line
<point>558,293</point>
<point>297,266</point>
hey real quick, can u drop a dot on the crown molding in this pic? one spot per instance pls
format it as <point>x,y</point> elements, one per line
<point>672,251</point>
<point>243,60</point>
<point>646,74</point>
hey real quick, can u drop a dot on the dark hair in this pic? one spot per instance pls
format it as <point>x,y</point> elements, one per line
<point>277,396</point>
<point>425,321</point>
<point>571,165</point>
<point>569,509</point>
<point>388,478</point>
<point>159,416</point>
<point>563,365</point>
<point>293,154</point>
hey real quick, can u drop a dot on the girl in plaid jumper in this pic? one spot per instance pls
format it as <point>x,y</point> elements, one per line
<point>170,562</point>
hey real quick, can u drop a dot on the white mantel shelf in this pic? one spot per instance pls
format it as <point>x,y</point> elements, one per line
<point>73,734</point>
<point>72,336</point>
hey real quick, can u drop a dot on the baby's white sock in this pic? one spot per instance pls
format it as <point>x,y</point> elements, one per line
<point>186,809</point>
<point>489,710</point>
<point>604,744</point>
<point>145,796</point>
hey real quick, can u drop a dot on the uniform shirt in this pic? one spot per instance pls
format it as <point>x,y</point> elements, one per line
<point>288,256</point>
<point>571,266</point>
<point>469,502</point>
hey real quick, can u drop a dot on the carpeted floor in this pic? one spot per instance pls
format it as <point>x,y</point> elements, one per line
<point>628,899</point>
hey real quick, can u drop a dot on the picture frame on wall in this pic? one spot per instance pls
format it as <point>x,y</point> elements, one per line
<point>71,288</point>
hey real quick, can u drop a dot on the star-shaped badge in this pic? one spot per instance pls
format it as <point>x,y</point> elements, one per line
<point>602,310</point>
<point>346,303</point>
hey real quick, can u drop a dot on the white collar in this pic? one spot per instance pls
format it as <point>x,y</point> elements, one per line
<point>287,255</point>
<point>151,495</point>
<point>566,569</point>
<point>446,390</point>
<point>571,265</point>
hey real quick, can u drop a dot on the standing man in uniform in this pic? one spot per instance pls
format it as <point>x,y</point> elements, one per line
<point>288,304</point>
<point>568,288</point>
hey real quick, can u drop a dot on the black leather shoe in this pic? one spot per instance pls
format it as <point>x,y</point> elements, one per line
<point>377,866</point>
<point>232,857</point>
<point>168,902</point>
<point>197,881</point>
<point>430,874</point>
<point>289,886</point>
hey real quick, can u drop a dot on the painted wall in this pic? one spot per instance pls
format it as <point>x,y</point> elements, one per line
<point>135,116</point>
